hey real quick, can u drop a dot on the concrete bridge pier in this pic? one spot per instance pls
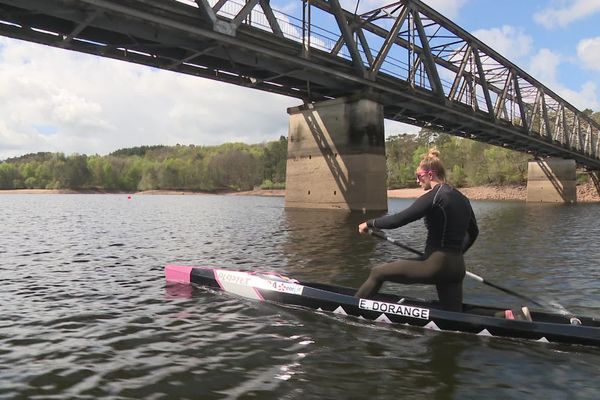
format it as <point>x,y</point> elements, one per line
<point>336,156</point>
<point>552,180</point>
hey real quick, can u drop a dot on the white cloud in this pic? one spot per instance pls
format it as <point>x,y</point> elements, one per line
<point>585,97</point>
<point>511,42</point>
<point>57,100</point>
<point>570,12</point>
<point>544,67</point>
<point>588,51</point>
<point>448,8</point>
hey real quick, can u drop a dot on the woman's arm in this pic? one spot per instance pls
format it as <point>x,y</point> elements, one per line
<point>415,211</point>
<point>472,233</point>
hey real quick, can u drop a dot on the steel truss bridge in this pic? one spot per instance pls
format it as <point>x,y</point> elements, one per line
<point>423,68</point>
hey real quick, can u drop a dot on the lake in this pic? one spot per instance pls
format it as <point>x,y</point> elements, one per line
<point>86,312</point>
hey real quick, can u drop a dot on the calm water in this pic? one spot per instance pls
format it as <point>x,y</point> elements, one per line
<point>85,312</point>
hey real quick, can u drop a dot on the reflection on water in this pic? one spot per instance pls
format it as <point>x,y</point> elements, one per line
<point>86,312</point>
<point>444,364</point>
<point>325,245</point>
<point>541,249</point>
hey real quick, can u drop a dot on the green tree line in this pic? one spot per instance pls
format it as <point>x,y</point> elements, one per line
<point>231,166</point>
<point>467,162</point>
<point>238,166</point>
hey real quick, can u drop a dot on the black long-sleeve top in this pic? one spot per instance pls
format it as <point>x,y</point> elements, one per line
<point>449,218</point>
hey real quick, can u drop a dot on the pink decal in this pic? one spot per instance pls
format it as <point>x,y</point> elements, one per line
<point>178,273</point>
<point>258,294</point>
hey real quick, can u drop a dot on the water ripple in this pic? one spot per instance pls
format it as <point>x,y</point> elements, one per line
<point>86,313</point>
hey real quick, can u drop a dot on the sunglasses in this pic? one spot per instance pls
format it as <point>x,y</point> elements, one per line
<point>420,175</point>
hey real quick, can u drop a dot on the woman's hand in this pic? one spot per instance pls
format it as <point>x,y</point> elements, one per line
<point>363,228</point>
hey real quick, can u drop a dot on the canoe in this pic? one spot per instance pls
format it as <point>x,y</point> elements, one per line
<point>389,308</point>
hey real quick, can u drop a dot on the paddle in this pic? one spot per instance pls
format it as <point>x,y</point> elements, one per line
<point>478,278</point>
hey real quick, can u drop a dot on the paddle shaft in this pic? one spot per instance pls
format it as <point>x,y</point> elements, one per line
<point>478,278</point>
<point>382,235</point>
<point>505,290</point>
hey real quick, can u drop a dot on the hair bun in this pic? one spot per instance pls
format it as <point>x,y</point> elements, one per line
<point>432,154</point>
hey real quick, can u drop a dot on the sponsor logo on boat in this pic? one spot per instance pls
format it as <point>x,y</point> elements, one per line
<point>246,279</point>
<point>236,278</point>
<point>285,287</point>
<point>391,308</point>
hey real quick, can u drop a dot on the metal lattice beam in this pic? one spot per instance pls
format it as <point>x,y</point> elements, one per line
<point>423,68</point>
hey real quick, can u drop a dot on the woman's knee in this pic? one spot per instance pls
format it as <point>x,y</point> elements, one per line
<point>377,273</point>
<point>383,272</point>
<point>391,271</point>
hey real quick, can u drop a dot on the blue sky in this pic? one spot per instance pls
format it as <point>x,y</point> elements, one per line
<point>56,100</point>
<point>553,25</point>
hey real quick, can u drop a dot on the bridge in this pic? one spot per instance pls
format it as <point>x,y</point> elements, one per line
<point>404,62</point>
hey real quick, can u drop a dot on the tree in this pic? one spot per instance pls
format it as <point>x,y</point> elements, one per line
<point>235,170</point>
<point>170,174</point>
<point>274,160</point>
<point>399,150</point>
<point>9,176</point>
<point>75,173</point>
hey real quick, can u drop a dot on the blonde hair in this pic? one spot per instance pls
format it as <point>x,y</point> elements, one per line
<point>431,162</point>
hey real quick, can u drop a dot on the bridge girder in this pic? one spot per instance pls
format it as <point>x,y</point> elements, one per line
<point>425,70</point>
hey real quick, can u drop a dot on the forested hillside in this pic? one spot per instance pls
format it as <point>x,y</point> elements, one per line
<point>231,166</point>
<point>239,166</point>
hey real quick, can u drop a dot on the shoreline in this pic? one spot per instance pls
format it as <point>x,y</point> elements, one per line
<point>586,192</point>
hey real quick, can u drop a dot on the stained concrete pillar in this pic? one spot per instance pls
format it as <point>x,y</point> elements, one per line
<point>336,156</point>
<point>552,180</point>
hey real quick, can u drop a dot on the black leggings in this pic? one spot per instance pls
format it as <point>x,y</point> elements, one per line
<point>446,270</point>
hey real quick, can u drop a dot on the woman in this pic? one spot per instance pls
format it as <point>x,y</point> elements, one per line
<point>451,230</point>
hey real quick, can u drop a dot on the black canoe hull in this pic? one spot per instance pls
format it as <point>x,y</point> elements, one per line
<point>478,320</point>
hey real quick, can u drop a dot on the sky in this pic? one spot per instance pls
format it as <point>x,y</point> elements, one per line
<point>62,101</point>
